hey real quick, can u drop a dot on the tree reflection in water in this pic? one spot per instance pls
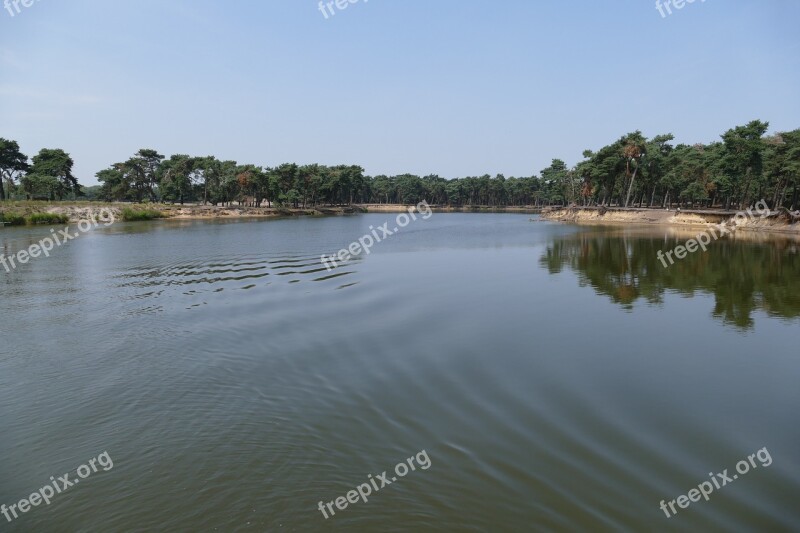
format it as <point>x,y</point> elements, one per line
<point>744,274</point>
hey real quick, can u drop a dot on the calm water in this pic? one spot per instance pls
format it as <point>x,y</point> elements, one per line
<point>558,377</point>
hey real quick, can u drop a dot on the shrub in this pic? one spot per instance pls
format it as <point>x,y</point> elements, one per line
<point>130,215</point>
<point>11,219</point>
<point>47,218</point>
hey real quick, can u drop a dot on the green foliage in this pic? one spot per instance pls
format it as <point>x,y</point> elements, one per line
<point>47,218</point>
<point>11,219</point>
<point>12,163</point>
<point>50,176</point>
<point>131,215</point>
<point>92,193</point>
<point>177,174</point>
<point>632,171</point>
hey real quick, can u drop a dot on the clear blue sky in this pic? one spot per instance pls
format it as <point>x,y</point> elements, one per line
<point>452,87</point>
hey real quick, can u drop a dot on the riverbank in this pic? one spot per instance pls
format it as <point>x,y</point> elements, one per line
<point>781,221</point>
<point>76,211</point>
<point>401,208</point>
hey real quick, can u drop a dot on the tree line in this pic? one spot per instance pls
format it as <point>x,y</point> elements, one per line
<point>746,165</point>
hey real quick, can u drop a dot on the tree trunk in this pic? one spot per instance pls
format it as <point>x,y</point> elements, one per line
<point>630,186</point>
<point>745,194</point>
<point>782,199</point>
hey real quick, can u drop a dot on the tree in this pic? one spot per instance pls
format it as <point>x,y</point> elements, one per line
<point>176,177</point>
<point>558,177</point>
<point>228,187</point>
<point>604,167</point>
<point>208,171</point>
<point>633,150</point>
<point>12,163</point>
<point>285,177</point>
<point>114,186</point>
<point>658,151</point>
<point>51,172</point>
<point>254,185</point>
<point>142,171</point>
<point>409,189</point>
<point>744,149</point>
<point>40,186</point>
<point>791,164</point>
<point>782,166</point>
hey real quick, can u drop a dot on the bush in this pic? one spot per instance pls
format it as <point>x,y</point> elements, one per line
<point>129,215</point>
<point>47,218</point>
<point>11,219</point>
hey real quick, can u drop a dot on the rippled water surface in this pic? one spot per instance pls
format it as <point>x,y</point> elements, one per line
<point>558,378</point>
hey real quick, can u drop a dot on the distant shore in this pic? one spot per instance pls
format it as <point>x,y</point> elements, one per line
<point>399,208</point>
<point>780,221</point>
<point>76,211</point>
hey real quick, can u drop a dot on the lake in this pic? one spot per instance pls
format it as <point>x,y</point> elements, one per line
<point>557,378</point>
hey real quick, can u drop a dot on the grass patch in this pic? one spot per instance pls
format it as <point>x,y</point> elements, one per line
<point>47,218</point>
<point>11,219</point>
<point>131,215</point>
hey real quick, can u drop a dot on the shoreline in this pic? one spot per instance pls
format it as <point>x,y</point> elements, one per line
<point>77,211</point>
<point>780,221</point>
<point>401,208</point>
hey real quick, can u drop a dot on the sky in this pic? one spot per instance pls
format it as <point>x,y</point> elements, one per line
<point>449,87</point>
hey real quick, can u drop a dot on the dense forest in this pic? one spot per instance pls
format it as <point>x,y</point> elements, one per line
<point>746,165</point>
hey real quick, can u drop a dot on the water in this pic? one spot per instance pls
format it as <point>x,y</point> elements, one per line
<point>558,378</point>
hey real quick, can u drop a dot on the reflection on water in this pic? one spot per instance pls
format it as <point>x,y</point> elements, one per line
<point>743,276</point>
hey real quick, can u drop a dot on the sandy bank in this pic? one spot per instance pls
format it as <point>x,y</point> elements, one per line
<point>776,221</point>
